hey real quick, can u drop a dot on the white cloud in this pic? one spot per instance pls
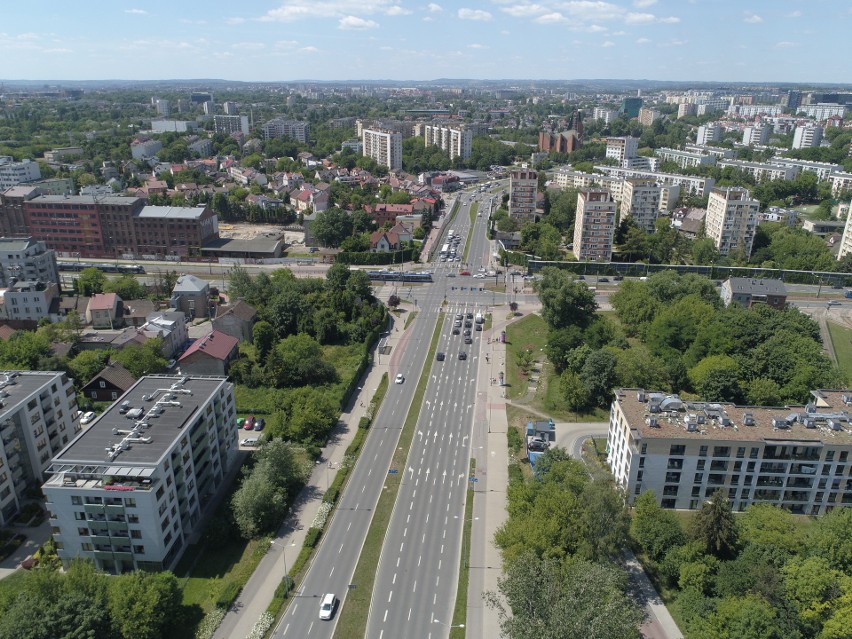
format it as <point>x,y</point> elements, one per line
<point>794,14</point>
<point>285,44</point>
<point>294,10</point>
<point>248,46</point>
<point>643,41</point>
<point>640,18</point>
<point>309,50</point>
<point>428,19</point>
<point>675,43</point>
<point>619,33</point>
<point>57,51</point>
<point>474,14</point>
<point>670,20</point>
<point>753,18</point>
<point>136,12</point>
<point>551,18</point>
<point>595,28</point>
<point>199,22</point>
<point>786,45</point>
<point>476,46</point>
<point>434,8</point>
<point>608,43</point>
<point>524,10</point>
<point>235,20</point>
<point>354,23</point>
<point>396,10</point>
<point>641,4</point>
<point>504,32</point>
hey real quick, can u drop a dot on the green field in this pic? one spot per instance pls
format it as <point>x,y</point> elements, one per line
<point>527,333</point>
<point>841,340</point>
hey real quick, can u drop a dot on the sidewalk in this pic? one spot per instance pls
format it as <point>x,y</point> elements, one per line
<point>36,536</point>
<point>258,592</point>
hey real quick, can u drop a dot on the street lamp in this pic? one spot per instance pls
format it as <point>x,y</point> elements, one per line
<point>273,542</point>
<point>461,625</point>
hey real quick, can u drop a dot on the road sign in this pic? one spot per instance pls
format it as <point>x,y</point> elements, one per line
<point>392,471</point>
<point>473,479</point>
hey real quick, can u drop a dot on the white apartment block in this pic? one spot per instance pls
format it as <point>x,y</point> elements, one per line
<point>748,111</point>
<point>455,140</point>
<point>144,149</point>
<point>692,184</point>
<point>647,116</point>
<point>229,124</point>
<point>707,133</point>
<point>758,134</point>
<point>846,240</point>
<point>840,183</point>
<point>823,170</point>
<point>685,159</point>
<point>594,226</point>
<point>711,105</point>
<point>641,162</point>
<point>607,115</point>
<point>523,188</point>
<point>13,173</point>
<point>384,146</point>
<point>131,489</point>
<point>795,457</point>
<point>684,109</point>
<point>823,111</point>
<point>24,258</point>
<point>173,126</point>
<point>807,136</point>
<point>37,419</point>
<point>60,153</point>
<point>731,219</point>
<point>281,128</point>
<point>230,108</point>
<point>28,300</point>
<point>718,152</point>
<point>640,200</point>
<point>568,179</point>
<point>669,196</point>
<point>762,170</point>
<point>622,148</point>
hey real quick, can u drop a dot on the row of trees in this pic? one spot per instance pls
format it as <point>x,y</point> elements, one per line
<point>561,546</point>
<point>763,575</point>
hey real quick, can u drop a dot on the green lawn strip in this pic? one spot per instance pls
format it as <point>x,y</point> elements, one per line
<point>841,342</point>
<point>352,621</point>
<point>293,578</point>
<point>13,585</point>
<point>409,319</point>
<point>460,610</point>
<point>473,209</point>
<point>489,321</point>
<point>529,332</point>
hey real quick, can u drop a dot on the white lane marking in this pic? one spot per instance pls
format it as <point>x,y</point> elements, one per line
<point>386,615</point>
<point>340,550</point>
<point>349,526</point>
<point>393,583</point>
<point>332,571</point>
<point>401,546</point>
<point>286,628</point>
<point>293,612</point>
<point>390,596</point>
<point>423,540</point>
<point>419,559</point>
<point>405,532</point>
<point>409,610</point>
<point>397,561</point>
<point>414,589</point>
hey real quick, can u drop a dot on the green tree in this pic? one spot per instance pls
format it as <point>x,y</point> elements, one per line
<point>654,528</point>
<point>332,226</point>
<point>297,361</point>
<point>573,391</point>
<point>814,587</point>
<point>86,364</point>
<point>830,538</point>
<point>564,301</point>
<point>127,287</point>
<point>599,376</point>
<point>144,359</point>
<point>91,281</point>
<point>144,605</point>
<point>716,378</point>
<point>769,526</point>
<point>715,527</point>
<point>263,337</point>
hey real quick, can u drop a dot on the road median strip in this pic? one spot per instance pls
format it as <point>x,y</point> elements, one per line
<point>474,207</point>
<point>460,609</point>
<point>352,619</point>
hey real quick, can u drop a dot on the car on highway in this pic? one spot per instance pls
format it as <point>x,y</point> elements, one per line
<point>440,356</point>
<point>603,279</point>
<point>456,330</point>
<point>468,339</point>
<point>327,606</point>
<point>465,273</point>
<point>399,379</point>
<point>537,444</point>
<point>462,355</point>
<point>833,303</point>
<point>451,274</point>
<point>87,417</point>
<point>479,327</point>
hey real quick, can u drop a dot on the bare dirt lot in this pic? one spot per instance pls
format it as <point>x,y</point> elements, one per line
<point>245,231</point>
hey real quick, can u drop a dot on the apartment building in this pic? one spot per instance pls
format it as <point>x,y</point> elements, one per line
<point>719,152</point>
<point>384,146</point>
<point>523,187</point>
<point>281,128</point>
<point>692,184</point>
<point>840,183</point>
<point>731,219</point>
<point>709,133</point>
<point>63,153</point>
<point>229,124</point>
<point>822,111</point>
<point>641,162</point>
<point>29,301</point>
<point>808,136</point>
<point>648,116</point>
<point>230,108</point>
<point>13,173</point>
<point>620,149</point>
<point>37,419</point>
<point>131,489</point>
<point>669,196</point>
<point>761,171</point>
<point>758,134</point>
<point>143,148</point>
<point>640,201</point>
<point>795,457</point>
<point>823,170</point>
<point>456,140</point>
<point>594,226</point>
<point>24,258</point>
<point>567,179</point>
<point>685,159</point>
<point>846,239</point>
<point>607,115</point>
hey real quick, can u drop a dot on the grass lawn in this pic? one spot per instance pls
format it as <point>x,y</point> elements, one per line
<point>352,620</point>
<point>841,340</point>
<point>527,333</point>
<point>12,585</point>
<point>473,209</point>
<point>460,609</point>
<point>409,319</point>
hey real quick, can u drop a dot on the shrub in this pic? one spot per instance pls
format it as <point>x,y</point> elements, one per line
<point>209,624</point>
<point>228,594</point>
<point>312,537</point>
<point>514,439</point>
<point>364,423</point>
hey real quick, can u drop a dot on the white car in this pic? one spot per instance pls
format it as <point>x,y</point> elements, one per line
<point>249,441</point>
<point>88,417</point>
<point>329,603</point>
<point>399,379</point>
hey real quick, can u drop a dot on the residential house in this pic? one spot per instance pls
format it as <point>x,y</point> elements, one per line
<point>105,310</point>
<point>236,320</point>
<point>404,232</point>
<point>192,296</point>
<point>747,292</point>
<point>170,326</point>
<point>209,355</point>
<point>384,242</point>
<point>110,384</point>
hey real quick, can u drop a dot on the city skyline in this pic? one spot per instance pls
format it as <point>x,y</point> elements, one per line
<point>343,40</point>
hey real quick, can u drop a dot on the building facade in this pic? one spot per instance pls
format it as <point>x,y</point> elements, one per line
<point>709,133</point>
<point>523,187</point>
<point>685,159</point>
<point>757,134</point>
<point>594,226</point>
<point>620,149</point>
<point>807,136</point>
<point>640,201</point>
<point>26,259</point>
<point>229,124</point>
<point>647,116</point>
<point>132,488</point>
<point>692,184</point>
<point>37,419</point>
<point>281,128</point>
<point>731,219</point>
<point>457,140</point>
<point>795,457</point>
<point>13,173</point>
<point>384,146</point>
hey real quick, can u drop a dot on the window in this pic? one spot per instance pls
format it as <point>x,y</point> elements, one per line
<point>753,453</point>
<point>82,531</point>
<point>644,449</point>
<point>738,466</point>
<point>696,491</point>
<point>844,454</point>
<point>702,452</point>
<point>129,502</point>
<point>668,503</point>
<point>741,452</point>
<point>672,478</point>
<point>699,477</point>
<point>829,455</point>
<point>76,501</point>
<point>677,449</point>
<point>136,534</point>
<point>80,516</point>
<point>132,519</point>
<point>670,490</point>
<point>721,451</point>
<point>675,464</point>
<point>139,550</point>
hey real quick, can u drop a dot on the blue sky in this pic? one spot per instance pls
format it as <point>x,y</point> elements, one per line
<point>268,40</point>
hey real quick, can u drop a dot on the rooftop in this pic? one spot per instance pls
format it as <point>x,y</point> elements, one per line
<point>116,374</point>
<point>215,344</point>
<point>756,286</point>
<point>102,301</point>
<point>656,415</point>
<point>16,386</point>
<point>173,212</point>
<point>115,200</point>
<point>190,284</point>
<point>168,405</point>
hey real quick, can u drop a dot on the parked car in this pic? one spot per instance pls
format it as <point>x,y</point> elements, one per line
<point>87,417</point>
<point>833,303</point>
<point>240,422</point>
<point>538,445</point>
<point>399,378</point>
<point>249,441</point>
<point>249,423</point>
<point>479,327</point>
<point>259,423</point>
<point>466,332</point>
<point>465,273</point>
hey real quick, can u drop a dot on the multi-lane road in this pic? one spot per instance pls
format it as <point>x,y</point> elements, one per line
<point>416,580</point>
